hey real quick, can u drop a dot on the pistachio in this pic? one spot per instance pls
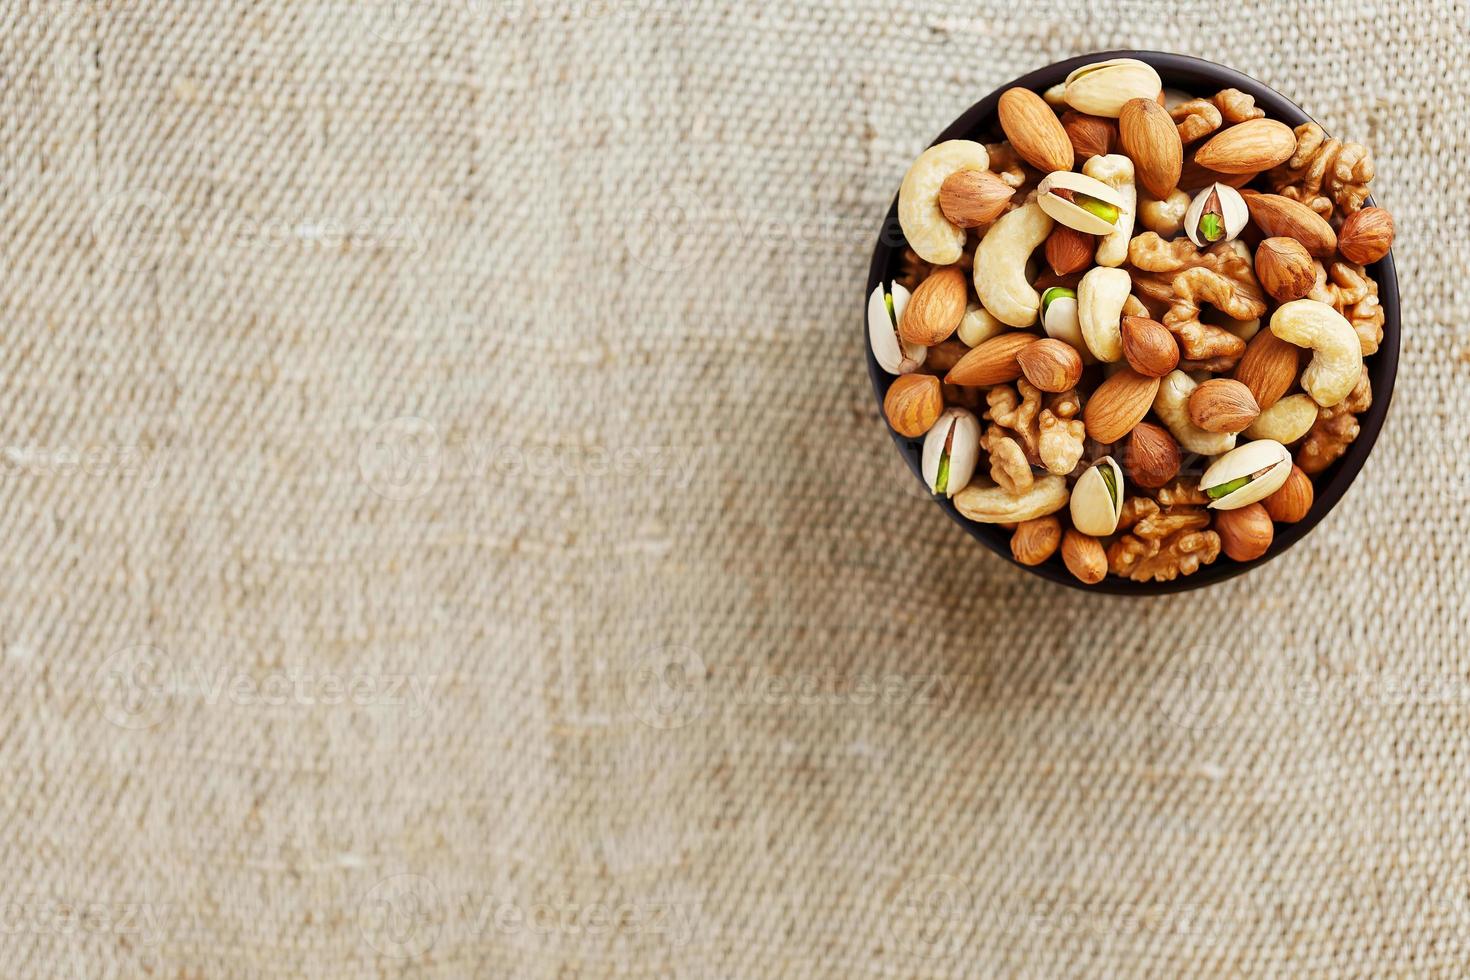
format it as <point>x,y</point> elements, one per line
<point>1104,87</point>
<point>1080,202</point>
<point>1246,474</point>
<point>951,449</point>
<point>1217,214</point>
<point>1059,319</point>
<point>1097,499</point>
<point>885,308</point>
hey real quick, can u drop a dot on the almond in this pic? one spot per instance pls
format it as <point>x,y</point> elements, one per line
<point>936,308</point>
<point>1034,130</point>
<point>1366,236</point>
<point>1036,540</point>
<point>993,362</point>
<point>1281,216</point>
<point>1248,148</point>
<point>1091,136</point>
<point>1149,136</point>
<point>1119,404</point>
<point>1152,456</point>
<point>1149,347</point>
<point>1245,532</point>
<point>1084,557</point>
<point>1222,405</point>
<point>1069,250</point>
<point>971,198</point>
<point>1268,368</point>
<point>1284,267</point>
<point>913,404</point>
<point>1293,499</point>
<point>1051,365</point>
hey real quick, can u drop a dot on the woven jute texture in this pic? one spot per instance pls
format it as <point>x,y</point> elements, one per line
<point>448,530</point>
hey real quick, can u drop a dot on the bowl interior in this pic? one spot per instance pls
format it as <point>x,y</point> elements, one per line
<point>1201,77</point>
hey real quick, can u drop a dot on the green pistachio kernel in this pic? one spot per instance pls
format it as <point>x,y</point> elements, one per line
<point>1056,293</point>
<point>888,301</point>
<point>1225,489</point>
<point>1211,228</point>
<point>1110,480</point>
<point>1101,209</point>
<point>941,482</point>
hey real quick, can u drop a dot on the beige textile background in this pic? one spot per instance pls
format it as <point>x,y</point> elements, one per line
<point>448,531</point>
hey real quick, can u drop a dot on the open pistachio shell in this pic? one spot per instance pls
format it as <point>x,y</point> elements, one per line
<point>951,450</point>
<point>892,354</point>
<point>1246,474</point>
<point>1074,215</point>
<point>1059,319</point>
<point>1233,215</point>
<point>1104,87</point>
<point>1097,499</point>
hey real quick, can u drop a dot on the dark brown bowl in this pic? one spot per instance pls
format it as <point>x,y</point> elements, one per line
<point>1192,75</point>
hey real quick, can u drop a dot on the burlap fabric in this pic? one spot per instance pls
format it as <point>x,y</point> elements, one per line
<point>449,532</point>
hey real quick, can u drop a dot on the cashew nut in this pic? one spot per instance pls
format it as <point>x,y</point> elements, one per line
<point>934,237</point>
<point>1000,265</point>
<point>978,326</point>
<point>1286,421</point>
<point>1171,405</point>
<point>1116,171</point>
<point>991,504</point>
<point>1337,355</point>
<point>1100,298</point>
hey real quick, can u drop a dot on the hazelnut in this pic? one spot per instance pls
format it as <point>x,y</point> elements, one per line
<point>1285,269</point>
<point>1149,347</point>
<point>1091,136</point>
<point>1051,365</point>
<point>1151,457</point>
<point>970,198</point>
<point>1246,532</point>
<point>1291,502</point>
<point>1222,405</point>
<point>1068,250</point>
<point>1366,236</point>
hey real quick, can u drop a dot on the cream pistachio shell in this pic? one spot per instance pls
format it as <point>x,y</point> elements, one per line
<point>964,450</point>
<point>1096,509</point>
<point>1060,322</point>
<point>1265,456</point>
<point>1233,214</point>
<point>1104,87</point>
<point>1074,215</point>
<point>891,352</point>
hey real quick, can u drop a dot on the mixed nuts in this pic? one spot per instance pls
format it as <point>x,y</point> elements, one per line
<point>1132,330</point>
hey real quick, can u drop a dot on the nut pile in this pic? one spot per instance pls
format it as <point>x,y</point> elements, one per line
<point>1134,329</point>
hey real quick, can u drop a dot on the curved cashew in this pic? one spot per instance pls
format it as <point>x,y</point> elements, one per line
<point>1100,298</point>
<point>978,326</point>
<point>995,505</point>
<point>933,236</point>
<point>1337,356</point>
<point>1171,405</point>
<point>1286,421</point>
<point>1000,265</point>
<point>1116,171</point>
